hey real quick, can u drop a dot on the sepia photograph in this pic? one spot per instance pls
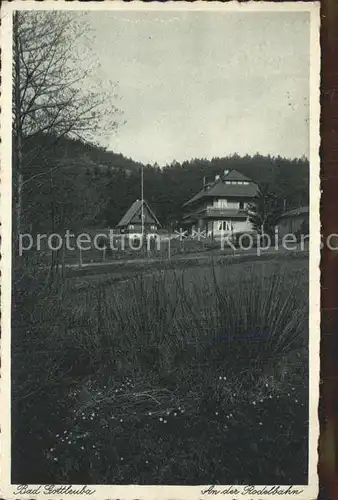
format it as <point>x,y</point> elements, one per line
<point>160,242</point>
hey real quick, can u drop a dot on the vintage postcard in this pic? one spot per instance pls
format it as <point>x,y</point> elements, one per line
<point>161,243</point>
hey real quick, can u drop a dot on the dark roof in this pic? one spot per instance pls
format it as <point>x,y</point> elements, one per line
<point>218,212</point>
<point>220,188</point>
<point>234,175</point>
<point>296,212</point>
<point>135,207</point>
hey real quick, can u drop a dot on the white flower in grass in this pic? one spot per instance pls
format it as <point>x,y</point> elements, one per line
<point>55,459</point>
<point>254,402</point>
<point>150,414</point>
<point>260,423</point>
<point>230,415</point>
<point>175,414</point>
<point>165,421</point>
<point>216,413</point>
<point>52,449</point>
<point>296,400</point>
<point>121,459</point>
<point>82,447</point>
<point>57,435</point>
<point>161,419</point>
<point>121,419</point>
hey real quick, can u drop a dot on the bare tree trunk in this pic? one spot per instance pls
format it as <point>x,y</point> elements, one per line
<point>17,140</point>
<point>52,213</point>
<point>63,257</point>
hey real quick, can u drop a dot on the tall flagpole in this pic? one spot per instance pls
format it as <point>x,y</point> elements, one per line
<point>142,214</point>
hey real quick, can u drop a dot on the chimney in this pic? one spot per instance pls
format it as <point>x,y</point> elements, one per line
<point>204,181</point>
<point>226,172</point>
<point>216,177</point>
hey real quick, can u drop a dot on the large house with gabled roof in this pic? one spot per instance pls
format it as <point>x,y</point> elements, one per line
<point>221,207</point>
<point>131,222</point>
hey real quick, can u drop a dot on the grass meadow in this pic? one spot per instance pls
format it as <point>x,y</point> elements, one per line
<point>180,376</point>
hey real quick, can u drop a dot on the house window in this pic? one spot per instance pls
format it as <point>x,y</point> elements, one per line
<point>224,225</point>
<point>131,227</point>
<point>152,228</point>
<point>220,203</point>
<point>241,205</point>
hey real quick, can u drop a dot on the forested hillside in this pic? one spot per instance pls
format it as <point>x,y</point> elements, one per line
<point>69,184</point>
<point>169,187</point>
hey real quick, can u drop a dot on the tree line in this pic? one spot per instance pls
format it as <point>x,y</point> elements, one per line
<point>62,179</point>
<point>94,187</point>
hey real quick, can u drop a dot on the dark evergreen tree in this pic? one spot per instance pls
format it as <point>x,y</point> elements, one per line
<point>265,210</point>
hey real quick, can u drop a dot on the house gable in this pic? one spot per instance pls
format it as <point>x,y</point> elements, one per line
<point>134,213</point>
<point>149,217</point>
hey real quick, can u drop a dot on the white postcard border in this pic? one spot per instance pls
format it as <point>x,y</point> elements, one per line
<point>132,492</point>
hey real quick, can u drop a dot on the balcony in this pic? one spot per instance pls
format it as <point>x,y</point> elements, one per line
<point>240,213</point>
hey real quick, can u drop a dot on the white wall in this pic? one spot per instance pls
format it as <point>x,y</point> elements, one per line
<point>238,226</point>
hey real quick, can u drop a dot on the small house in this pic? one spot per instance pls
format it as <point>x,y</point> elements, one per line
<point>139,219</point>
<point>295,222</point>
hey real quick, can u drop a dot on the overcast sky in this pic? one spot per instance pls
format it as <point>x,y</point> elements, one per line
<point>206,84</point>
